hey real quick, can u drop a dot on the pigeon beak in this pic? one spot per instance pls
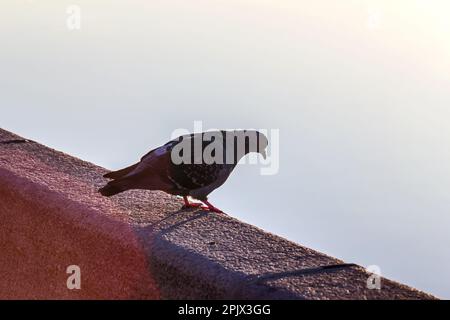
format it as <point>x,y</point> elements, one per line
<point>264,154</point>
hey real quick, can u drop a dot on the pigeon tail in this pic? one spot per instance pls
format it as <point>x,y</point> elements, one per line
<point>111,189</point>
<point>120,173</point>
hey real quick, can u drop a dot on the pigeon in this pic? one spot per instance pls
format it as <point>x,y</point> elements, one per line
<point>191,165</point>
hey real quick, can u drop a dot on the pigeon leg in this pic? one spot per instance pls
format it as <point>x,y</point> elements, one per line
<point>211,208</point>
<point>187,204</point>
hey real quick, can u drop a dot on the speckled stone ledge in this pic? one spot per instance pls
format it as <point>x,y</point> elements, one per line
<point>140,245</point>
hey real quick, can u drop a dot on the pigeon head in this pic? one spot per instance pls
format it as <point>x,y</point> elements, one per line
<point>254,141</point>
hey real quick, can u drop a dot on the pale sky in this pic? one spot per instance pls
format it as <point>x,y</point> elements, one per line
<point>358,89</point>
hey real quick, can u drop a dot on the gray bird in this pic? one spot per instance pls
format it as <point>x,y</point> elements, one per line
<point>192,165</point>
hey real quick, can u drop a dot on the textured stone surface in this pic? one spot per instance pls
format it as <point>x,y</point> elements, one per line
<point>139,244</point>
